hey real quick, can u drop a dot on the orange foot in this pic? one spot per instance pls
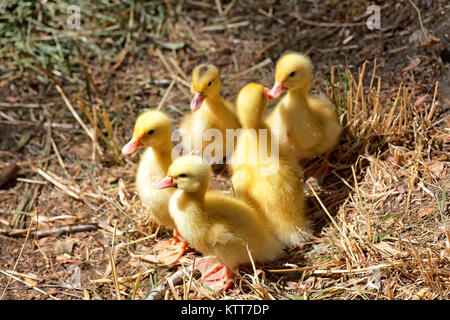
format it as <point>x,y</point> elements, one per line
<point>215,275</point>
<point>320,174</point>
<point>172,250</point>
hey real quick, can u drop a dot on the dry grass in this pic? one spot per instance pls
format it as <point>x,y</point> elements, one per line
<point>382,223</point>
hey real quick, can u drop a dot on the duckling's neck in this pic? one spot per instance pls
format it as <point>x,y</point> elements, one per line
<point>198,196</point>
<point>299,93</point>
<point>163,155</point>
<point>216,105</point>
<point>188,214</point>
<point>298,96</point>
<point>190,201</point>
<point>263,135</point>
<point>254,124</point>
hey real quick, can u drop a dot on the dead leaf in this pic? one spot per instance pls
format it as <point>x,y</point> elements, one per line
<point>430,40</point>
<point>292,284</point>
<point>423,294</point>
<point>147,258</point>
<point>423,38</point>
<point>412,65</point>
<point>436,168</point>
<point>83,151</point>
<point>420,100</point>
<point>12,99</point>
<point>74,279</point>
<point>64,258</point>
<point>30,281</point>
<point>65,246</point>
<point>123,194</point>
<point>425,211</point>
<point>386,249</point>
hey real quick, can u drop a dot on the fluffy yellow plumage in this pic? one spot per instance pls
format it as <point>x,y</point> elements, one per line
<point>211,111</point>
<point>153,130</point>
<point>272,184</point>
<point>308,126</point>
<point>214,223</point>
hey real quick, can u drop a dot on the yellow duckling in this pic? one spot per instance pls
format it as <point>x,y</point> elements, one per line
<point>214,223</point>
<point>268,177</point>
<point>210,111</point>
<point>153,129</point>
<point>308,126</point>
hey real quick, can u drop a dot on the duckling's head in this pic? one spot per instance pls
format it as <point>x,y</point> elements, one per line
<point>293,71</point>
<point>152,129</point>
<point>251,104</point>
<point>205,83</point>
<point>189,173</point>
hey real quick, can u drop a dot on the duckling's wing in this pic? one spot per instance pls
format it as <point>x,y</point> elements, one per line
<point>322,105</point>
<point>222,234</point>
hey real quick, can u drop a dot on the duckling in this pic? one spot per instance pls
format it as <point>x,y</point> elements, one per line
<point>214,223</point>
<point>268,177</point>
<point>210,111</point>
<point>153,130</point>
<point>308,126</point>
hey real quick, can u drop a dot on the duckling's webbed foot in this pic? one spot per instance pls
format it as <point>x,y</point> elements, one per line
<point>172,250</point>
<point>215,275</point>
<point>320,174</point>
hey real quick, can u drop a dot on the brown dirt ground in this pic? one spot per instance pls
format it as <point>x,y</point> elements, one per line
<point>77,265</point>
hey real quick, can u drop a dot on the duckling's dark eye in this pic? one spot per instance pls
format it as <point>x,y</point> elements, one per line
<point>151,132</point>
<point>183,175</point>
<point>292,74</point>
<point>209,83</point>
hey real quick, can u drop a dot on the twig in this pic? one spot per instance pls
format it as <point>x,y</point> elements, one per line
<point>56,231</point>
<point>227,26</point>
<point>159,292</point>
<point>172,288</point>
<point>75,115</point>
<point>219,8</point>
<point>67,190</point>
<point>191,276</point>
<point>229,7</point>
<point>175,64</point>
<point>270,45</point>
<point>253,264</point>
<point>20,255</point>
<point>345,271</point>
<point>113,264</point>
<point>255,67</point>
<point>24,105</point>
<point>164,62</point>
<point>327,24</point>
<point>112,261</point>
<point>26,283</point>
<point>123,279</point>
<point>433,104</point>
<point>58,156</point>
<point>420,18</point>
<point>164,98</point>
<point>136,285</point>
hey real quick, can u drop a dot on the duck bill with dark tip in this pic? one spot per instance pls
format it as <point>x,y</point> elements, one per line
<point>165,183</point>
<point>197,101</point>
<point>276,91</point>
<point>131,146</point>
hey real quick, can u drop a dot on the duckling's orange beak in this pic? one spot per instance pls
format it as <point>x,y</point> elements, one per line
<point>276,90</point>
<point>131,146</point>
<point>164,183</point>
<point>197,101</point>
